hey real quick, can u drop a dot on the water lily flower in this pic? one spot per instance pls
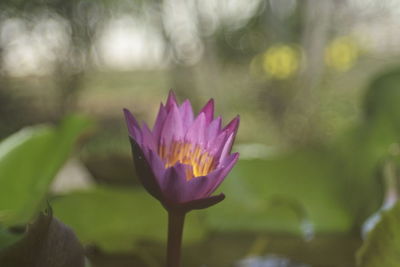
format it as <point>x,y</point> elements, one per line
<point>184,158</point>
<point>182,161</point>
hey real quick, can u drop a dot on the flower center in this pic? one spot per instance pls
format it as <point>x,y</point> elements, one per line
<point>202,162</point>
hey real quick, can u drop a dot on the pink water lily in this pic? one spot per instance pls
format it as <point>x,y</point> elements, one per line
<point>183,159</point>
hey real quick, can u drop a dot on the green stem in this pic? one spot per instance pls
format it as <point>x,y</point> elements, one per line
<point>175,229</point>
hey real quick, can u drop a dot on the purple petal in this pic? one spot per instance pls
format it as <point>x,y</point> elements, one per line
<point>197,188</point>
<point>144,171</point>
<point>171,101</point>
<point>173,127</point>
<point>157,166</point>
<point>208,111</point>
<point>227,148</point>
<point>133,126</point>
<point>174,182</point>
<point>214,128</point>
<point>216,145</point>
<point>179,190</point>
<point>195,134</point>
<point>148,138</point>
<point>233,126</point>
<point>186,112</point>
<point>158,125</point>
<point>230,130</point>
<point>219,175</point>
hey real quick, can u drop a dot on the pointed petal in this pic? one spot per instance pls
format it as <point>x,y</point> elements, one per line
<point>196,188</point>
<point>174,183</point>
<point>158,125</point>
<point>208,111</point>
<point>173,127</point>
<point>171,101</point>
<point>218,176</point>
<point>232,126</point>
<point>214,128</point>
<point>133,126</point>
<point>148,138</point>
<point>186,112</point>
<point>195,134</point>
<point>157,166</point>
<point>231,131</point>
<point>145,171</point>
<point>227,148</point>
<point>215,146</point>
<point>179,190</point>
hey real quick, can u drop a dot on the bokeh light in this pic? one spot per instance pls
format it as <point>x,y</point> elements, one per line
<point>341,54</point>
<point>281,61</point>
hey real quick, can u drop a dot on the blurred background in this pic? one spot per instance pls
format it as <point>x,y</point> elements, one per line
<point>315,83</point>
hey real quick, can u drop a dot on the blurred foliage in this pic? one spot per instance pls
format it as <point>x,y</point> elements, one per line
<point>29,160</point>
<point>382,98</point>
<point>382,246</point>
<point>296,193</point>
<point>116,219</point>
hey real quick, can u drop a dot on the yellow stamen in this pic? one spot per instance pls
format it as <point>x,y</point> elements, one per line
<point>202,161</point>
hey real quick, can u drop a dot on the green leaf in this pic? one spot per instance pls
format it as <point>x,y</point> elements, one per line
<point>29,160</point>
<point>116,219</point>
<point>382,246</point>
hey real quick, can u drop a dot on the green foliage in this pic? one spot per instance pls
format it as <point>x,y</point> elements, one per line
<point>382,246</point>
<point>29,160</point>
<point>116,219</point>
<point>296,193</point>
<point>383,96</point>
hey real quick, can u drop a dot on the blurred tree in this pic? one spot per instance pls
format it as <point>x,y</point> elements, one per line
<point>84,19</point>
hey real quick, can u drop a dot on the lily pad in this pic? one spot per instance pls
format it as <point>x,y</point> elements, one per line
<point>116,219</point>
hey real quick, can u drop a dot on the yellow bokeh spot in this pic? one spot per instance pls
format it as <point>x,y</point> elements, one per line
<point>342,53</point>
<point>281,61</point>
